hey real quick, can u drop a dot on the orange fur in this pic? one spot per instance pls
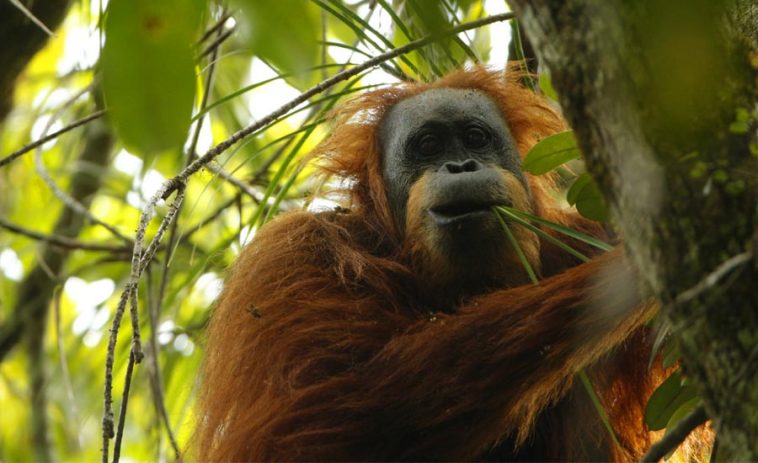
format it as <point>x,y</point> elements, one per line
<point>323,346</point>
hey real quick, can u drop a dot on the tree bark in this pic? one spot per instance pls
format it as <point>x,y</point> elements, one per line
<point>23,39</point>
<point>662,97</point>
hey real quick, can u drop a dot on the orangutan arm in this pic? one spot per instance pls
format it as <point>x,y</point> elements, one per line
<point>300,368</point>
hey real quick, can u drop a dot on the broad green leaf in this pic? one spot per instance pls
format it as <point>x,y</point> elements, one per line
<point>670,355</point>
<point>683,411</point>
<point>585,195</point>
<point>551,152</point>
<point>284,33</point>
<point>573,193</point>
<point>666,400</point>
<point>149,71</point>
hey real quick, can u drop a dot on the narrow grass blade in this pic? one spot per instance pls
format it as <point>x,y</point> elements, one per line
<point>543,234</point>
<point>519,251</point>
<point>598,406</point>
<point>509,212</point>
<point>518,46</point>
<point>579,236</point>
<point>349,18</point>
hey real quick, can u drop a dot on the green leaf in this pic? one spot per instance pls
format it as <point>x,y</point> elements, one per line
<point>666,400</point>
<point>670,355</point>
<point>681,413</point>
<point>551,152</point>
<point>282,32</point>
<point>149,71</point>
<point>585,195</point>
<point>430,18</point>
<point>577,187</point>
<point>546,86</point>
<point>739,127</point>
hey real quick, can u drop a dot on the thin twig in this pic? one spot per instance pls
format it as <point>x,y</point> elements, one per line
<point>63,242</point>
<point>71,202</point>
<point>140,260</point>
<point>67,199</point>
<point>192,153</point>
<point>218,25</point>
<point>171,215</point>
<point>41,141</point>
<point>675,436</point>
<point>26,12</point>
<point>134,317</point>
<point>213,46</point>
<point>211,217</point>
<point>173,233</point>
<point>108,431</point>
<point>706,283</point>
<point>124,403</point>
<point>243,186</point>
<point>156,379</point>
<point>713,278</point>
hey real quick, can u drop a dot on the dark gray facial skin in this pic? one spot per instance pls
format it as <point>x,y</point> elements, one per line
<point>460,136</point>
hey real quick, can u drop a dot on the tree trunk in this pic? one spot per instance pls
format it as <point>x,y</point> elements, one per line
<point>23,39</point>
<point>662,97</point>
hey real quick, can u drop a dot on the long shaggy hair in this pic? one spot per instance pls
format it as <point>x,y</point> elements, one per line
<point>320,346</point>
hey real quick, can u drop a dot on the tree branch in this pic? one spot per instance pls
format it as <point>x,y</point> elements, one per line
<point>35,291</point>
<point>63,242</point>
<point>51,136</point>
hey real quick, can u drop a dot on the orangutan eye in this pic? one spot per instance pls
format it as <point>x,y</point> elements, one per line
<point>429,145</point>
<point>475,137</point>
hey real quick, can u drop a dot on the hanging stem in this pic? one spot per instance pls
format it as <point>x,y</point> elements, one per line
<point>514,214</point>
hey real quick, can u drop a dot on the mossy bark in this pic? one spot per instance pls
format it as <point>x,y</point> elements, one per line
<point>663,99</point>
